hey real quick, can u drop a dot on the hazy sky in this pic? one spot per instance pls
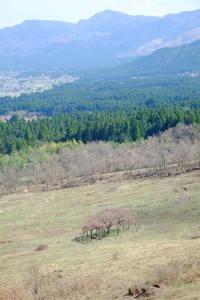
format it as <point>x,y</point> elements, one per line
<point>13,12</point>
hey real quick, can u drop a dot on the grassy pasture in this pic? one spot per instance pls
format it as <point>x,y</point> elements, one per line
<point>168,210</point>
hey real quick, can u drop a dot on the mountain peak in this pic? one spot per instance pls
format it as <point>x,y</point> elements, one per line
<point>107,38</point>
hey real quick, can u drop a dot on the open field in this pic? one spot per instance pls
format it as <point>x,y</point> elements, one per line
<point>162,251</point>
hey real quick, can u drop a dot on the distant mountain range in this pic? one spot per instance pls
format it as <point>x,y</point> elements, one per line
<point>107,39</point>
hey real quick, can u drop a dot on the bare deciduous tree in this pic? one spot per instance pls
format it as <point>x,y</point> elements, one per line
<point>177,147</point>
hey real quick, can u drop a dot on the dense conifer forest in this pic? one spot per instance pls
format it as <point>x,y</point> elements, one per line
<point>119,126</point>
<point>108,95</point>
<point>118,111</point>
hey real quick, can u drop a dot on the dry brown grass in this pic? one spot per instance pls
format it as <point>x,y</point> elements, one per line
<point>13,292</point>
<point>161,251</point>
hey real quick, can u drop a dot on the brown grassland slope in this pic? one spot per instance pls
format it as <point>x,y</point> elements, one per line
<point>164,251</point>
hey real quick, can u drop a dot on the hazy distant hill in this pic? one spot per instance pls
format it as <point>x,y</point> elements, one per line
<point>176,60</point>
<point>106,39</point>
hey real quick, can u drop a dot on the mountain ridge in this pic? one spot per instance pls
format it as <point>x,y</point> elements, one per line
<point>184,59</point>
<point>108,38</point>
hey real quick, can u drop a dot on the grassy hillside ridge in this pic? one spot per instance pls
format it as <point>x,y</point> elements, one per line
<point>167,209</point>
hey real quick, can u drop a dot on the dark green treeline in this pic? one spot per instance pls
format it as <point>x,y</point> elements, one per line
<point>119,126</point>
<point>107,96</point>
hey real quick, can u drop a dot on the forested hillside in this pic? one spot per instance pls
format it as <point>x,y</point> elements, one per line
<point>169,61</point>
<point>119,126</point>
<point>115,111</point>
<point>104,95</point>
<point>54,165</point>
<point>176,60</point>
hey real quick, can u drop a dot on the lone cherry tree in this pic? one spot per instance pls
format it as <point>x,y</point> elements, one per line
<point>92,225</point>
<point>105,219</point>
